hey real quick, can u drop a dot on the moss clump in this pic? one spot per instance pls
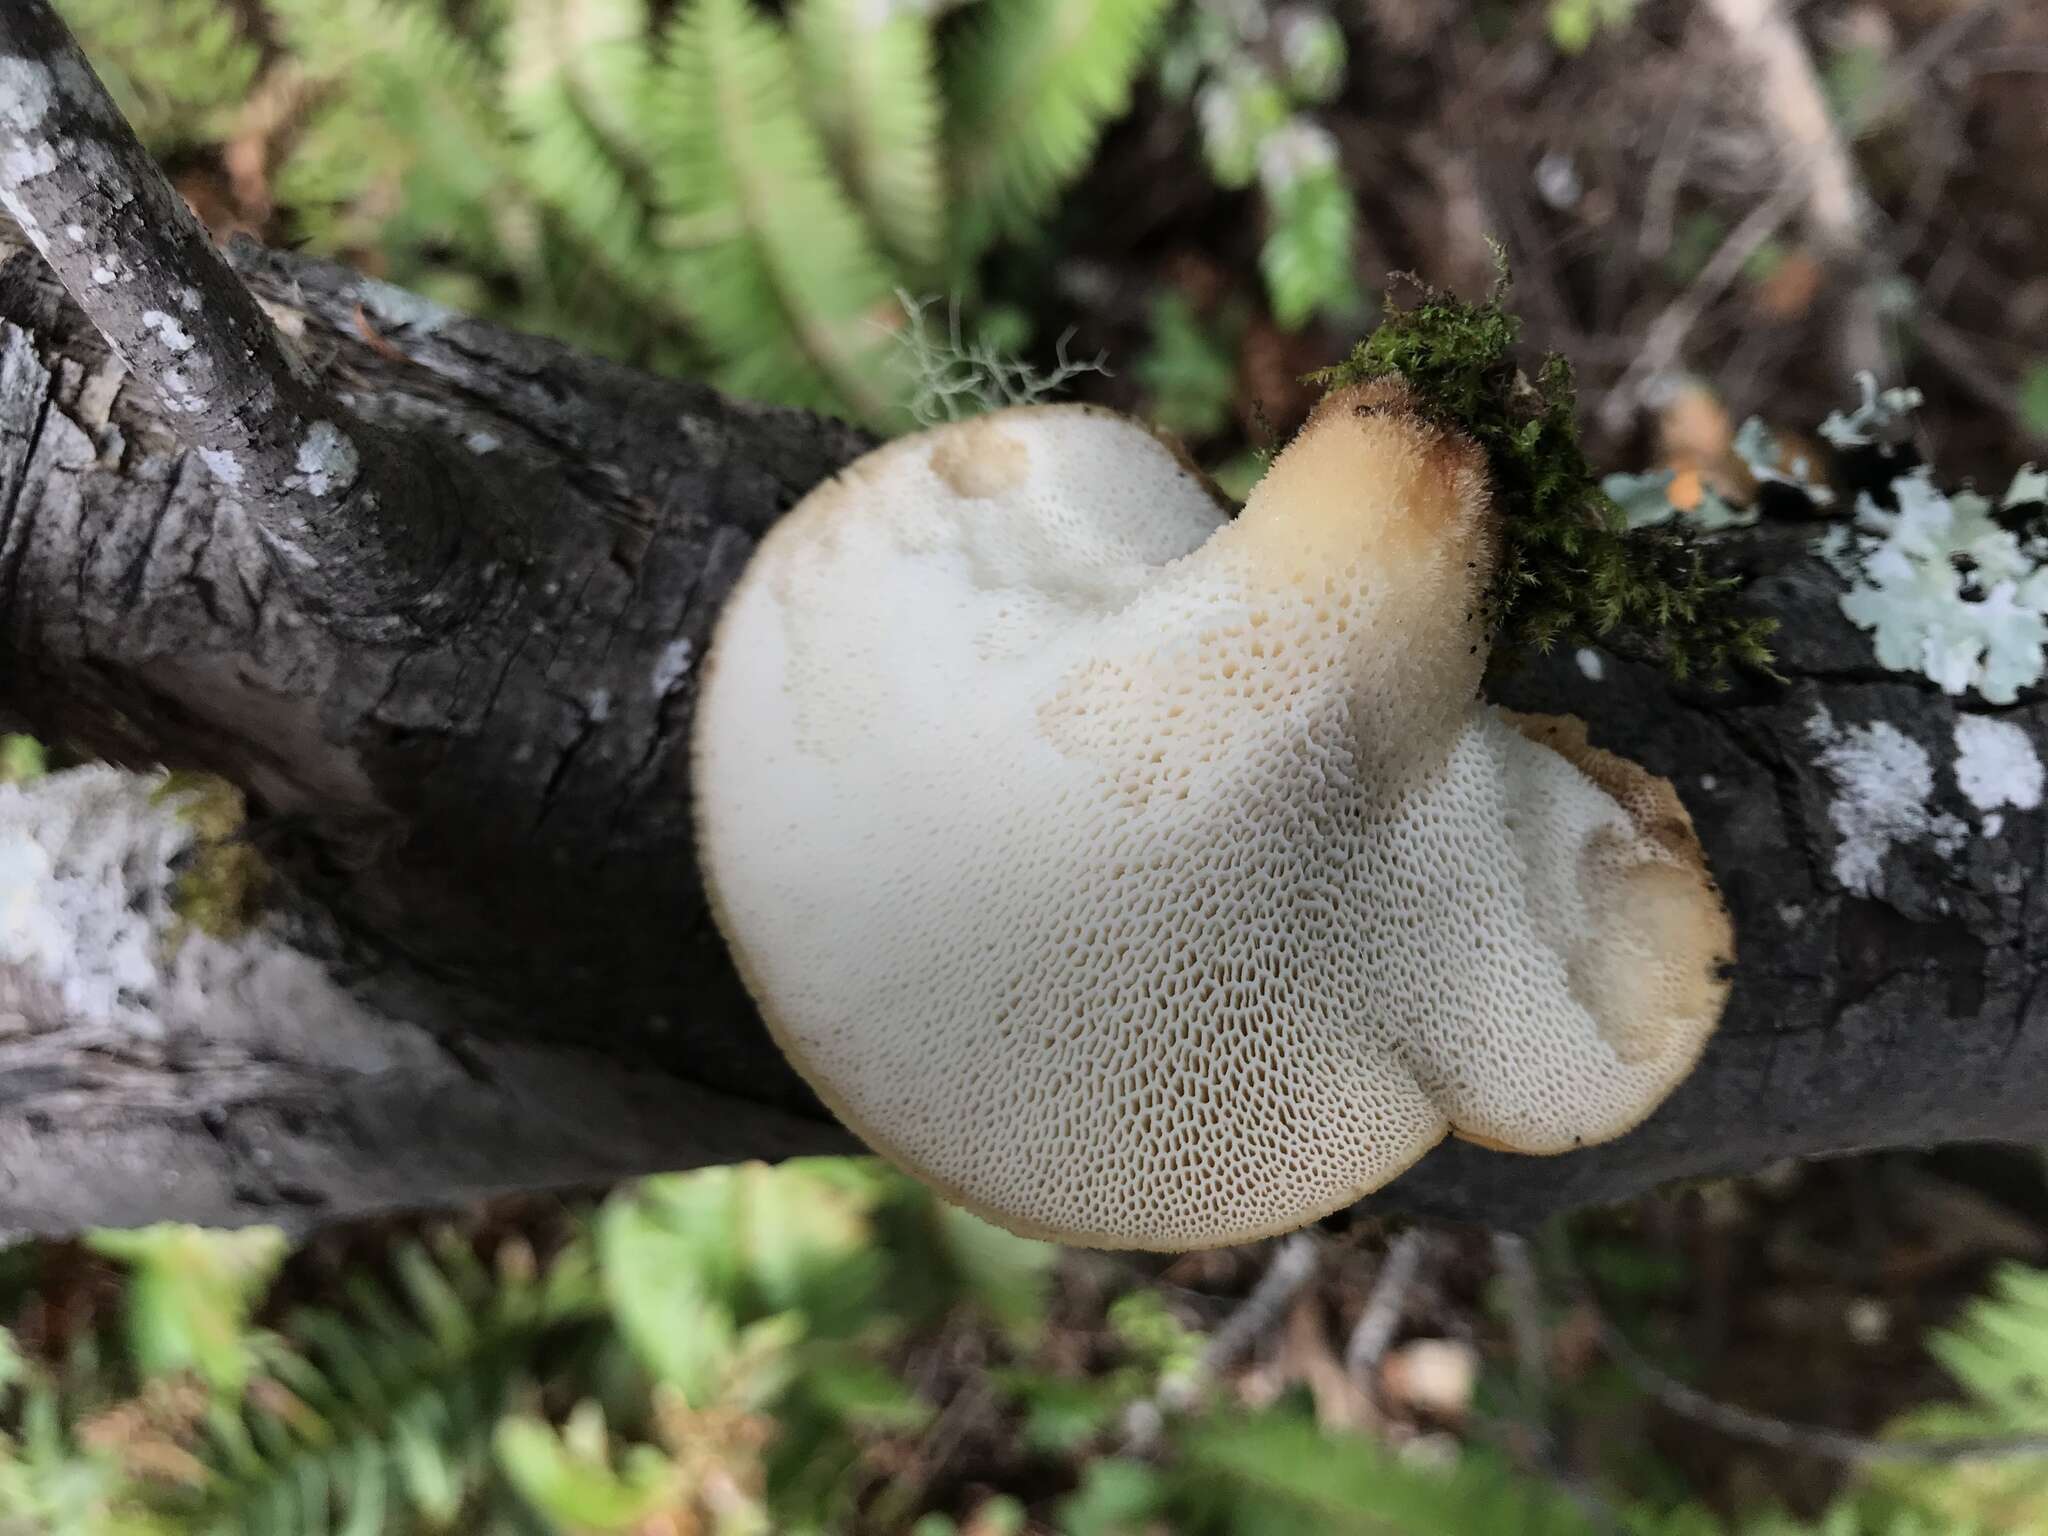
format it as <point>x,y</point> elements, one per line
<point>1569,570</point>
<point>22,760</point>
<point>220,889</point>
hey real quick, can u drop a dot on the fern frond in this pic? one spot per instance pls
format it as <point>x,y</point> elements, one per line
<point>600,52</point>
<point>576,87</point>
<point>1997,1351</point>
<point>409,152</point>
<point>783,284</point>
<point>870,85</point>
<point>1306,259</point>
<point>1279,1462</point>
<point>1029,92</point>
<point>176,68</point>
<point>392,1405</point>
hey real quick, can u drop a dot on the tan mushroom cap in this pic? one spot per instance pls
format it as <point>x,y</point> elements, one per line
<point>1146,879</point>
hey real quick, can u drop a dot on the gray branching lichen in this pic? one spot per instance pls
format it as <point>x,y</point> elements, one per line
<point>954,376</point>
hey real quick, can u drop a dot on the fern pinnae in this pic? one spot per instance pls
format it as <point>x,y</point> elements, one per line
<point>575,88</point>
<point>398,1398</point>
<point>786,305</point>
<point>870,81</point>
<point>412,152</point>
<point>176,68</point>
<point>602,50</point>
<point>1030,90</point>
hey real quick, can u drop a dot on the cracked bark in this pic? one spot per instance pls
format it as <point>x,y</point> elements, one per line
<point>359,523</point>
<point>482,826</point>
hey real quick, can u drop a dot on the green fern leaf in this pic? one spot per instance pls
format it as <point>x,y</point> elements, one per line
<point>870,85</point>
<point>599,51</point>
<point>576,87</point>
<point>408,154</point>
<point>391,1406</point>
<point>1997,1351</point>
<point>1029,93</point>
<point>1282,1466</point>
<point>1306,260</point>
<point>176,68</point>
<point>783,284</point>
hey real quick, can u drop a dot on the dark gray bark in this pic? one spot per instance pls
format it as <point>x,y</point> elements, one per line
<point>359,523</point>
<point>486,818</point>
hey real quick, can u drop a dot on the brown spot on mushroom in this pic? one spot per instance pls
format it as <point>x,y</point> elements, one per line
<point>1664,939</point>
<point>1652,802</point>
<point>1369,472</point>
<point>977,458</point>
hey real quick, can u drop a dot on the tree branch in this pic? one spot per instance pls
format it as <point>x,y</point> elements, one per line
<point>152,1071</point>
<point>357,527</point>
<point>483,841</point>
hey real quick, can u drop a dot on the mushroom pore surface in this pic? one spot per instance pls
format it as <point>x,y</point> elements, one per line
<point>1145,878</point>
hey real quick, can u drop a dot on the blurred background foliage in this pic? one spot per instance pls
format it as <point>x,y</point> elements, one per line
<point>823,1347</point>
<point>725,190</point>
<point>907,210</point>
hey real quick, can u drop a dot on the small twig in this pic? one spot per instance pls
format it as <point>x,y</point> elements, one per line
<point>1524,1290</point>
<point>1381,1318</point>
<point>1809,1439</point>
<point>1666,336</point>
<point>1820,184</point>
<point>2009,59</point>
<point>1782,1434</point>
<point>1294,1264</point>
<point>1788,91</point>
<point>1667,174</point>
<point>1897,86</point>
<point>1524,1287</point>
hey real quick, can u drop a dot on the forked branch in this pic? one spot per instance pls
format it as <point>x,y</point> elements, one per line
<point>348,513</point>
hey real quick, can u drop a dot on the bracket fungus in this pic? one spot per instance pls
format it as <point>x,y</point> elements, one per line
<point>1144,877</point>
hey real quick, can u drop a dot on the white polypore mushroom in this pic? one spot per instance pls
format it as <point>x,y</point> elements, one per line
<point>1145,878</point>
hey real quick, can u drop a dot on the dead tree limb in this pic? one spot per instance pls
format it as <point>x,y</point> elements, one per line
<point>358,525</point>
<point>480,818</point>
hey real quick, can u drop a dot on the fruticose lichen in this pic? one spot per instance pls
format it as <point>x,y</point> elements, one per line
<point>950,376</point>
<point>1571,568</point>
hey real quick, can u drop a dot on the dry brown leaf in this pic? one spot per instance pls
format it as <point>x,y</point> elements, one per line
<point>1696,437</point>
<point>1312,1359</point>
<point>1794,283</point>
<point>1435,1377</point>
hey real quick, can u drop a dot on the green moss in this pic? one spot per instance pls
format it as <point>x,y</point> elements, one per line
<point>22,760</point>
<point>1570,571</point>
<point>220,889</point>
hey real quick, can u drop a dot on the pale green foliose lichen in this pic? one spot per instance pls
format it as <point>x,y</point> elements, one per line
<point>1944,589</point>
<point>1879,413</point>
<point>1645,500</point>
<point>1758,448</point>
